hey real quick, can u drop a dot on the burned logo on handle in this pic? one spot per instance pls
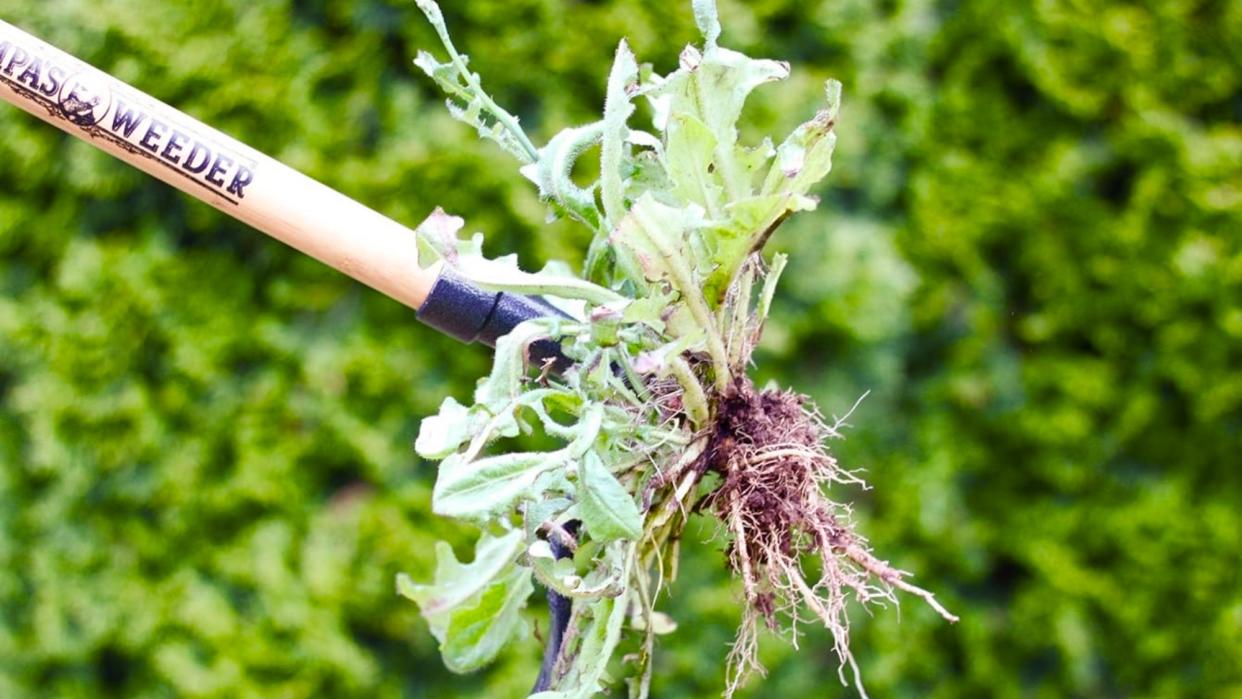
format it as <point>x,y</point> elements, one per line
<point>84,103</point>
<point>103,108</point>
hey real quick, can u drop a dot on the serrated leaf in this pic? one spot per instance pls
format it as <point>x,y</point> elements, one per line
<point>446,75</point>
<point>438,239</point>
<point>713,87</point>
<point>716,87</point>
<point>462,85</point>
<point>608,510</point>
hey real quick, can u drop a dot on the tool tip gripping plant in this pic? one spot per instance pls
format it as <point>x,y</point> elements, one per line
<point>654,418</point>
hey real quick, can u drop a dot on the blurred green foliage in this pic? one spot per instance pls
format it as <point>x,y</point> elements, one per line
<point>1030,252</point>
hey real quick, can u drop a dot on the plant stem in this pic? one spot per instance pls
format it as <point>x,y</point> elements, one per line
<point>693,400</point>
<point>502,117</point>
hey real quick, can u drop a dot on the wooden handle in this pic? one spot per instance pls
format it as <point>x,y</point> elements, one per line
<point>212,167</point>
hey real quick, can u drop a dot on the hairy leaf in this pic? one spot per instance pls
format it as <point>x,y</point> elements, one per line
<point>477,489</point>
<point>615,137</point>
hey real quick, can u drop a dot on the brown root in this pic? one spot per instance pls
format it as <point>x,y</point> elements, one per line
<point>770,450</point>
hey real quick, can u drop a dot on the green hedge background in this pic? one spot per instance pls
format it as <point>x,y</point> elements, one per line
<point>1030,252</point>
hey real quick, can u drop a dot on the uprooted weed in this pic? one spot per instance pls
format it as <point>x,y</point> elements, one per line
<point>653,397</point>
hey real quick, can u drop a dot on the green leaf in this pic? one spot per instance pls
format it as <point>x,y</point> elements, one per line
<point>653,235</point>
<point>485,486</point>
<point>748,223</point>
<point>706,18</point>
<point>482,487</point>
<point>438,239</point>
<point>553,167</point>
<point>688,156</point>
<point>805,157</point>
<point>676,213</point>
<point>713,87</point>
<point>753,163</point>
<point>779,260</point>
<point>500,389</point>
<point>589,425</point>
<point>537,400</point>
<point>476,634</point>
<point>608,510</point>
<point>599,640</point>
<point>473,105</point>
<point>649,310</point>
<point>455,583</point>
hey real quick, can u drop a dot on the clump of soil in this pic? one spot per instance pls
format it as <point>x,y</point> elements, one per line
<point>794,548</point>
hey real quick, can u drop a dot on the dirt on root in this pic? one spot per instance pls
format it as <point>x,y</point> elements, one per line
<point>751,426</point>
<point>769,448</point>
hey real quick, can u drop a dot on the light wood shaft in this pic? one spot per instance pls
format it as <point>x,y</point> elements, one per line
<point>210,166</point>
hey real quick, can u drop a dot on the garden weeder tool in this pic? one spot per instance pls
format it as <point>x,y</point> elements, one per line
<point>253,188</point>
